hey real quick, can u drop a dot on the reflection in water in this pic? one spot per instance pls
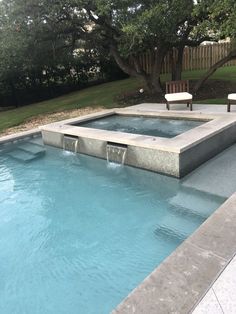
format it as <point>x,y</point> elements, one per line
<point>77,235</point>
<point>143,125</point>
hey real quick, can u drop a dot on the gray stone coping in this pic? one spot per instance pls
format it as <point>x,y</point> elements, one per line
<point>215,123</point>
<point>177,285</point>
<point>19,135</point>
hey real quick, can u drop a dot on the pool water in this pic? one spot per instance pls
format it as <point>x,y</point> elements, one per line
<point>77,235</point>
<point>143,125</point>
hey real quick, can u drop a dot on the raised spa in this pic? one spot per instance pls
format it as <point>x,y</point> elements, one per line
<point>151,126</point>
<point>172,143</point>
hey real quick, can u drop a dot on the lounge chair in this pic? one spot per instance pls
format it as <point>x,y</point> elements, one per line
<point>178,92</point>
<point>231,99</point>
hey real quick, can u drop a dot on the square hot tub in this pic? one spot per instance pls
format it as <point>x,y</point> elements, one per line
<point>172,143</point>
<point>142,125</point>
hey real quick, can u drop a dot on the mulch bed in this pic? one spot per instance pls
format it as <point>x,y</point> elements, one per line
<point>211,89</point>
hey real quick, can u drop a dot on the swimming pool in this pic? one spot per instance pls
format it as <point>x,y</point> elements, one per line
<point>142,125</point>
<point>77,235</point>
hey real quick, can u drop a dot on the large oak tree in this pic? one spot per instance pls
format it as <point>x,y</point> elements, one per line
<point>53,32</point>
<point>129,28</point>
<point>223,24</point>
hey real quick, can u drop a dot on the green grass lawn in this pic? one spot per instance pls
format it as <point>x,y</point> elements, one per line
<point>101,95</point>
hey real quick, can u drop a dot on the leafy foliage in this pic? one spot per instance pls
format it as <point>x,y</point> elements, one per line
<point>49,47</point>
<point>44,51</point>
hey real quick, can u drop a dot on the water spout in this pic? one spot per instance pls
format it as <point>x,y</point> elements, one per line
<point>70,143</point>
<point>116,153</point>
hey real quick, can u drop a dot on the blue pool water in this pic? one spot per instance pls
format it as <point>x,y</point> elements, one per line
<point>143,125</point>
<point>77,235</point>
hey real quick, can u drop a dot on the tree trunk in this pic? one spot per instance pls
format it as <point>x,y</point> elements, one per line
<point>177,66</point>
<point>213,68</point>
<point>13,93</point>
<point>153,85</point>
<point>151,80</point>
<point>156,69</point>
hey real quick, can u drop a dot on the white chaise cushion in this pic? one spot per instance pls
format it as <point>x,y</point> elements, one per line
<point>232,96</point>
<point>178,96</point>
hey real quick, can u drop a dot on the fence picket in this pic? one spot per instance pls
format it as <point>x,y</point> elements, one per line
<point>194,58</point>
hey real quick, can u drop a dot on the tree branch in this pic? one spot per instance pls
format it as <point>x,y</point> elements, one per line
<point>124,65</point>
<point>231,55</point>
<point>102,21</point>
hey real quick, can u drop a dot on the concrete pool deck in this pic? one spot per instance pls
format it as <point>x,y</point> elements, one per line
<point>203,108</point>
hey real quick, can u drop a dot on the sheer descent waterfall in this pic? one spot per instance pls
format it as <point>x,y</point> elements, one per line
<point>71,143</point>
<point>116,153</point>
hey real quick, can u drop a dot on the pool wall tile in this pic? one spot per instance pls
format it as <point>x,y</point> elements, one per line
<point>203,151</point>
<point>19,136</point>
<point>53,138</point>
<point>92,147</point>
<point>155,160</point>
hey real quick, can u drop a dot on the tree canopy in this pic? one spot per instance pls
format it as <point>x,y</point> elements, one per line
<point>222,21</point>
<point>128,28</point>
<point>67,41</point>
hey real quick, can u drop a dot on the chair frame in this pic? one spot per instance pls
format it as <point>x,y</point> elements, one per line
<point>230,102</point>
<point>178,87</point>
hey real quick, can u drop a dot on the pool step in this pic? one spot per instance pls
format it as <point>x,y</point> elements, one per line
<point>216,176</point>
<point>26,152</point>
<point>32,148</point>
<point>195,203</point>
<point>168,234</point>
<point>21,155</point>
<point>177,227</point>
<point>190,208</point>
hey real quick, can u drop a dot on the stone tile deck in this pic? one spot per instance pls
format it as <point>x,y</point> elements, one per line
<point>221,298</point>
<point>182,107</point>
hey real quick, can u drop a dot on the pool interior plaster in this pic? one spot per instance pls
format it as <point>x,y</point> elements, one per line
<point>179,283</point>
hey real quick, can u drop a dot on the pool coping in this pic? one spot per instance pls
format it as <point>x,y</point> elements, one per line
<point>215,123</point>
<point>176,156</point>
<point>19,135</point>
<point>179,283</point>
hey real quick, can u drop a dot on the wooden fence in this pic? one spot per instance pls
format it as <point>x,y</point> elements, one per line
<point>195,58</point>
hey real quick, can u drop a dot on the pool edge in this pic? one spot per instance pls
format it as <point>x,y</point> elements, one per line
<point>20,135</point>
<point>206,244</point>
<point>183,278</point>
